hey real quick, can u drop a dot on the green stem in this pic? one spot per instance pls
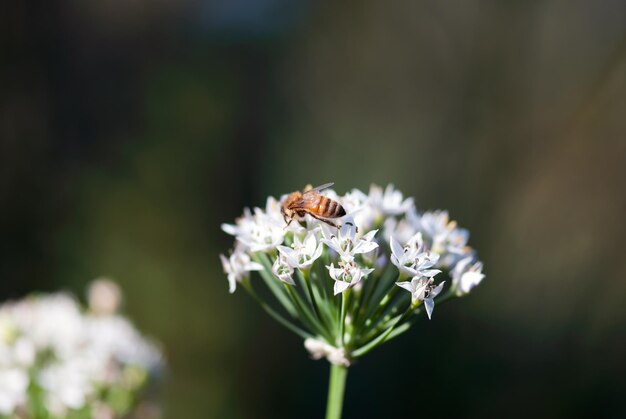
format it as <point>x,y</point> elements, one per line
<point>280,319</point>
<point>324,302</point>
<point>382,306</point>
<point>383,336</point>
<point>336,388</point>
<point>377,300</point>
<point>342,319</point>
<point>273,284</point>
<point>306,316</point>
<point>306,278</point>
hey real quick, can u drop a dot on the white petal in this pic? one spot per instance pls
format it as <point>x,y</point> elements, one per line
<point>318,252</point>
<point>420,289</point>
<point>328,233</point>
<point>396,249</point>
<point>254,266</point>
<point>334,272</point>
<point>333,244</point>
<point>225,263</point>
<point>347,230</point>
<point>231,229</point>
<point>290,255</point>
<point>287,279</point>
<point>232,283</point>
<point>405,285</point>
<point>437,290</point>
<point>341,286</point>
<point>407,270</point>
<point>369,236</point>
<point>356,277</point>
<point>429,304</point>
<point>469,280</point>
<point>310,243</point>
<point>461,266</point>
<point>429,272</point>
<point>364,247</point>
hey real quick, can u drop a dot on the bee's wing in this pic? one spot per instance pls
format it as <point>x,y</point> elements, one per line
<point>318,188</point>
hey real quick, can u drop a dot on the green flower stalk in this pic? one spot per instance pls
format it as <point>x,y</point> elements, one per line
<point>339,284</point>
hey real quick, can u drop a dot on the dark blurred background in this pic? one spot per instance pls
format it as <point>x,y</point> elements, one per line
<point>129,130</point>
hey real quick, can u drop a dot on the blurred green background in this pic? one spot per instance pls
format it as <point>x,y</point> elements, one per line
<point>130,130</point>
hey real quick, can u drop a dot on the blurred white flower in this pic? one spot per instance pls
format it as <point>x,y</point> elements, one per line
<point>302,254</point>
<point>390,202</point>
<point>347,275</point>
<point>24,352</point>
<point>445,237</point>
<point>422,289</point>
<point>54,323</point>
<point>67,355</point>
<point>237,267</point>
<point>412,259</point>
<point>113,338</point>
<point>258,232</point>
<point>466,275</point>
<point>283,270</point>
<point>13,386</point>
<point>320,349</point>
<point>103,296</point>
<point>7,329</point>
<point>402,230</point>
<point>66,384</point>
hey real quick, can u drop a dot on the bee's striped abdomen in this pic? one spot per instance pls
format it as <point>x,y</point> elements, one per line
<point>328,208</point>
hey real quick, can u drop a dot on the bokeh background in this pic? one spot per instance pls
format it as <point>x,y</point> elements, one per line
<point>129,130</point>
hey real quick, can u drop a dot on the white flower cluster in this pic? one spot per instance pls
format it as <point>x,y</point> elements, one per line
<point>57,360</point>
<point>380,229</point>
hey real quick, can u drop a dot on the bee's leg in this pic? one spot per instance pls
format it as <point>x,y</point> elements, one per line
<point>330,223</point>
<point>325,220</point>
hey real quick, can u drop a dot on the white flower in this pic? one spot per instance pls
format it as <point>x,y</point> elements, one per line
<point>67,386</point>
<point>238,267</point>
<point>445,237</point>
<point>13,386</point>
<point>272,209</point>
<point>258,232</point>
<point>413,260</point>
<point>466,275</point>
<point>103,296</point>
<point>24,352</point>
<point>67,353</point>
<point>347,275</point>
<point>358,207</point>
<point>419,245</point>
<point>319,349</point>
<point>114,338</point>
<point>53,322</point>
<point>390,202</point>
<point>403,230</point>
<point>422,289</point>
<point>302,254</point>
<point>283,270</point>
<point>347,245</point>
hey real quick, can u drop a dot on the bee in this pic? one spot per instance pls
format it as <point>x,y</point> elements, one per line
<point>298,204</point>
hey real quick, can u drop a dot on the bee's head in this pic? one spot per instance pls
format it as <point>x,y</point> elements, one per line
<point>287,213</point>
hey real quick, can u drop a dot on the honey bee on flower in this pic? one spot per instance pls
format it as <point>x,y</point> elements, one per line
<point>336,266</point>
